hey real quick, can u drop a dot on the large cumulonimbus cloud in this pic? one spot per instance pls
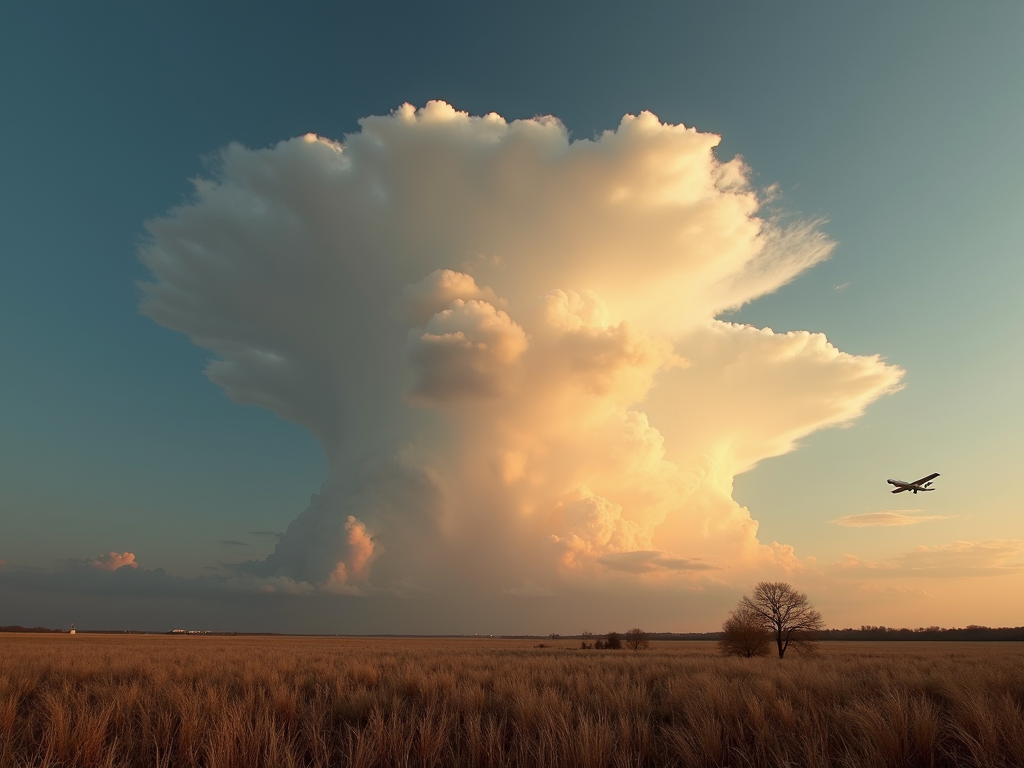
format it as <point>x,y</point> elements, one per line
<point>506,343</point>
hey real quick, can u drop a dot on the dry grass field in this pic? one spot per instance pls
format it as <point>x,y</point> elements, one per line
<point>245,702</point>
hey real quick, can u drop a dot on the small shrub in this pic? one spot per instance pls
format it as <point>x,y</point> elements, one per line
<point>636,639</point>
<point>745,633</point>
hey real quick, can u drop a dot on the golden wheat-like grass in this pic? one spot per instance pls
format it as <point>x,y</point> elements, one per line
<point>280,702</point>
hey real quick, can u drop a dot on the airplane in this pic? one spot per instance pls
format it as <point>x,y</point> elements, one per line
<point>917,485</point>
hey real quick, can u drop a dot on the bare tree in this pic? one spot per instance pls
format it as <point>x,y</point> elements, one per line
<point>744,634</point>
<point>636,639</point>
<point>786,613</point>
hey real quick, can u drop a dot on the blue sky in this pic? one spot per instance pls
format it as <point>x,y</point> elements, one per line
<point>900,125</point>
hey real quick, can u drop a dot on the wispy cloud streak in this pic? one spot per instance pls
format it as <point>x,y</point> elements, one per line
<point>887,518</point>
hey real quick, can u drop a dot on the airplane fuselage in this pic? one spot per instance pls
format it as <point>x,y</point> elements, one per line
<point>918,485</point>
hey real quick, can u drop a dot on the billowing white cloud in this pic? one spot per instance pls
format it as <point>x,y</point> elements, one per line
<point>886,518</point>
<point>465,351</point>
<point>506,343</point>
<point>435,293</point>
<point>594,527</point>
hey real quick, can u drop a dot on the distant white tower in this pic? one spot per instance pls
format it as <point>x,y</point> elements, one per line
<point>72,629</point>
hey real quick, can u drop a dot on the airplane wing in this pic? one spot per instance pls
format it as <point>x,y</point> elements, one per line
<point>932,476</point>
<point>901,490</point>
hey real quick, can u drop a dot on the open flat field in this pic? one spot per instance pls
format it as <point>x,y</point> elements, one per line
<point>93,700</point>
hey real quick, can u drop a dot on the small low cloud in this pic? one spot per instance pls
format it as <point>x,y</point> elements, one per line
<point>648,561</point>
<point>113,560</point>
<point>233,543</point>
<point>841,287</point>
<point>887,518</point>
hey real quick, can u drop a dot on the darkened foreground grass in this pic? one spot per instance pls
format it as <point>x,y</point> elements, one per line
<point>278,702</point>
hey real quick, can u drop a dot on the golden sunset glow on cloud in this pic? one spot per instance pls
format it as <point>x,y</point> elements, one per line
<point>114,560</point>
<point>886,518</point>
<point>507,344</point>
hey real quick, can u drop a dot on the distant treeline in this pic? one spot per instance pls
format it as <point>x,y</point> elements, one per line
<point>16,628</point>
<point>970,632</point>
<point>867,632</point>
